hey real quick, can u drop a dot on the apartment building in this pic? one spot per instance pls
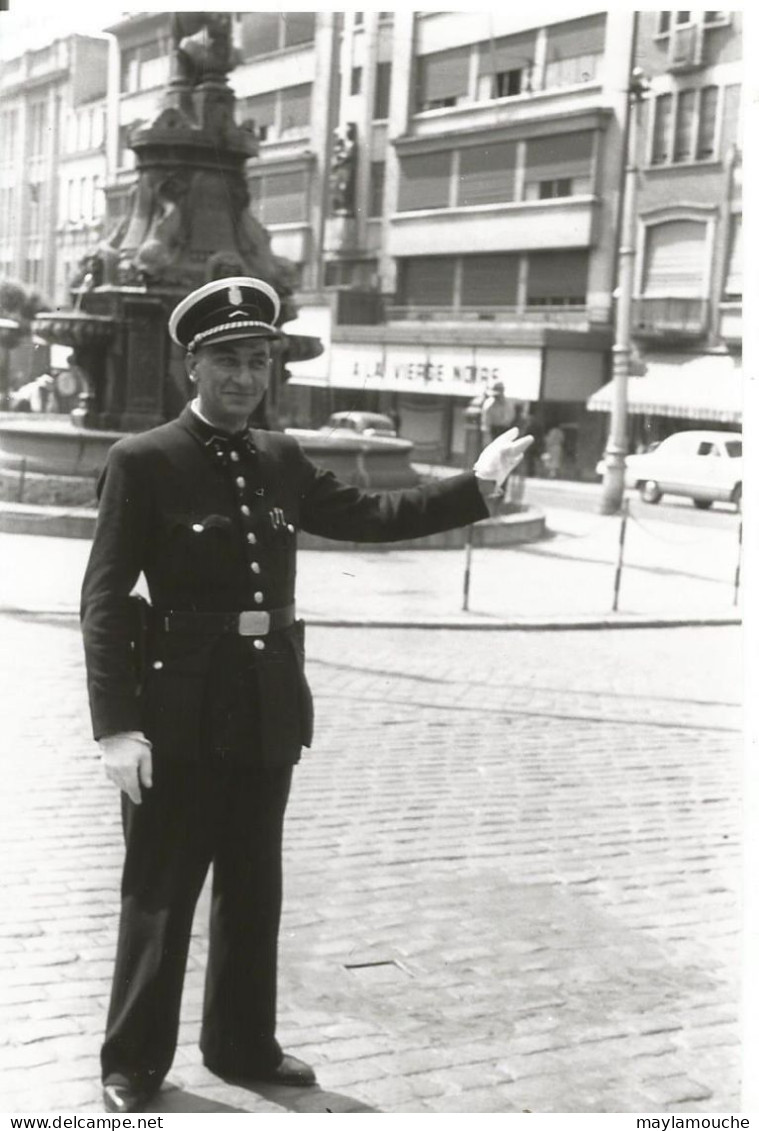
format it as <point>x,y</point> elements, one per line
<point>52,159</point>
<point>688,278</point>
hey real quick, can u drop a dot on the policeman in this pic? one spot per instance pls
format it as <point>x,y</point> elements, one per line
<point>202,742</point>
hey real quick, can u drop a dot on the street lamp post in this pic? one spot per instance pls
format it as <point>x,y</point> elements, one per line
<point>616,447</point>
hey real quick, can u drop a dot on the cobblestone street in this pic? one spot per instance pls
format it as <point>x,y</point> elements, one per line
<point>512,866</point>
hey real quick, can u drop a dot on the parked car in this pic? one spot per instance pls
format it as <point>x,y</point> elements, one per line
<point>702,466</point>
<point>361,423</point>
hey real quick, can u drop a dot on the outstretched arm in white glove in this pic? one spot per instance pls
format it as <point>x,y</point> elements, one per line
<point>128,762</point>
<point>498,460</point>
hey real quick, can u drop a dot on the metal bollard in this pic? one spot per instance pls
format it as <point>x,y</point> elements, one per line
<point>467,565</point>
<point>737,581</point>
<point>621,553</point>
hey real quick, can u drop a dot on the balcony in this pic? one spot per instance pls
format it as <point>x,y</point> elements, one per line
<point>670,319</point>
<point>569,316</point>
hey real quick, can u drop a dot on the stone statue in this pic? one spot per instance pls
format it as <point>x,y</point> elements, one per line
<point>342,176</point>
<point>202,46</point>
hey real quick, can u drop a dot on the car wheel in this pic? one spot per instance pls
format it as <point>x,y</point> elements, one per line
<point>737,497</point>
<point>649,491</point>
<point>703,504</point>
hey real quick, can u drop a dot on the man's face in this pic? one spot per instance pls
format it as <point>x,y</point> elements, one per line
<point>231,380</point>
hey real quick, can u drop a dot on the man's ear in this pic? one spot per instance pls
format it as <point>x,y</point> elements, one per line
<point>189,364</point>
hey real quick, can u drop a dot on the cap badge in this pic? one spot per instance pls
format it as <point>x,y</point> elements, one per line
<point>235,295</point>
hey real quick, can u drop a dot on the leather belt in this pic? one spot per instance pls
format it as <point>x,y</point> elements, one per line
<point>246,622</point>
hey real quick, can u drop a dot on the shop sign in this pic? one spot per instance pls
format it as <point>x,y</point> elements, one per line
<point>444,370</point>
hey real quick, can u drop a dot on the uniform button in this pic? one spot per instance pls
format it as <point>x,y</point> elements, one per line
<point>234,456</point>
<point>251,537</point>
<point>260,644</point>
<point>291,528</point>
<point>255,567</point>
<point>158,664</point>
<point>197,527</point>
<point>244,509</point>
<point>240,481</point>
<point>258,598</point>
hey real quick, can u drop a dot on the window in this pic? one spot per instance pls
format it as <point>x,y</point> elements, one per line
<point>35,209</point>
<point>425,181</point>
<point>145,66</point>
<point>356,80</point>
<point>559,159</point>
<point>489,280</point>
<point>731,118</point>
<point>382,91</point>
<point>547,190</point>
<point>707,123</point>
<point>260,109</point>
<point>279,198</point>
<point>376,188</point>
<point>662,128</point>
<point>664,22</point>
<point>442,78</point>
<point>126,156</point>
<point>486,174</point>
<point>684,119</point>
<point>37,129</point>
<point>733,289</point>
<point>295,107</point>
<point>675,259</point>
<point>264,32</point>
<point>428,281</point>
<point>8,135</point>
<point>505,66</point>
<point>557,278</point>
<point>575,51</point>
<point>692,137</point>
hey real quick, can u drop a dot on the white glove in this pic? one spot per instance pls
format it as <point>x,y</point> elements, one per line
<point>128,762</point>
<point>499,458</point>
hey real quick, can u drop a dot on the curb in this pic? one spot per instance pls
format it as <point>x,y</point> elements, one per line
<point>587,622</point>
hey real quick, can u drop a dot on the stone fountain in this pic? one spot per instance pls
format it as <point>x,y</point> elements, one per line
<point>188,222</point>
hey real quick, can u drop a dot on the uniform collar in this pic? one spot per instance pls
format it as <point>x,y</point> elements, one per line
<point>210,436</point>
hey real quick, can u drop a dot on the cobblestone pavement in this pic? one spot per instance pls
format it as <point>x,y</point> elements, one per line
<point>511,883</point>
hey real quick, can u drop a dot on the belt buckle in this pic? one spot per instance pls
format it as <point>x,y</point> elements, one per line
<point>253,622</point>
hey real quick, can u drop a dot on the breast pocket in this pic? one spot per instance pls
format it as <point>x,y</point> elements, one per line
<point>201,547</point>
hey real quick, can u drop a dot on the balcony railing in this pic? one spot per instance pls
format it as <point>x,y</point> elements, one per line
<point>563,315</point>
<point>673,318</point>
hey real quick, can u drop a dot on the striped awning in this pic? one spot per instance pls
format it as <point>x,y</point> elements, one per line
<point>704,387</point>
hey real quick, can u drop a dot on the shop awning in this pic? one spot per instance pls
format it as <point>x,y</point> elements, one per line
<point>707,387</point>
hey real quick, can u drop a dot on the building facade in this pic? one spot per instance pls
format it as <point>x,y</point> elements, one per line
<point>448,185</point>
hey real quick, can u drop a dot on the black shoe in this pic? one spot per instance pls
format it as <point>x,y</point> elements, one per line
<point>290,1071</point>
<point>122,1097</point>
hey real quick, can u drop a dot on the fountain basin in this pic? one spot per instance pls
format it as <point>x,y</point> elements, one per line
<point>45,460</point>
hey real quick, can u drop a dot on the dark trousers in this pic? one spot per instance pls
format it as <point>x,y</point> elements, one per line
<point>193,816</point>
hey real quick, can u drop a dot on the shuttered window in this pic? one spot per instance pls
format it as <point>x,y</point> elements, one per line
<point>279,198</point>
<point>261,109</point>
<point>734,279</point>
<point>299,27</point>
<point>662,127</point>
<point>675,261</point>
<point>560,156</point>
<point>574,51</point>
<point>500,56</point>
<point>489,280</point>
<point>296,107</point>
<point>260,33</point>
<point>486,174</point>
<point>442,78</point>
<point>425,181</point>
<point>428,281</point>
<point>557,278</point>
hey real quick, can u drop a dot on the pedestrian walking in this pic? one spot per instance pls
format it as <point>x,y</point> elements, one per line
<point>200,702</point>
<point>553,454</point>
<point>497,414</point>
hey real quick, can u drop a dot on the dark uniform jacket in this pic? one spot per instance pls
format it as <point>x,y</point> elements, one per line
<point>214,529</point>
